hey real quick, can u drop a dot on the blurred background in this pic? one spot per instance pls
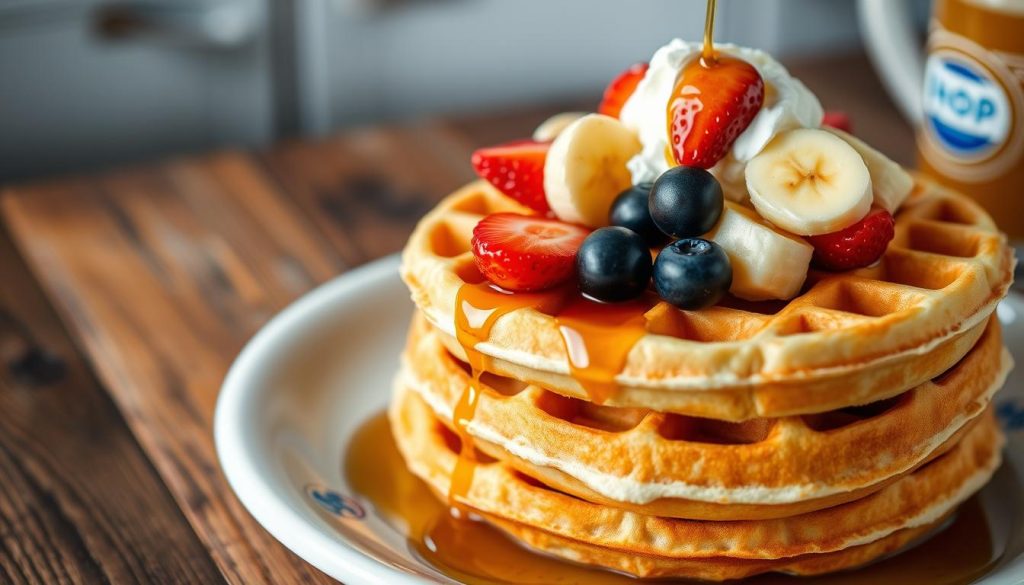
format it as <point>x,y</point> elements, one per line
<point>173,173</point>
<point>87,84</point>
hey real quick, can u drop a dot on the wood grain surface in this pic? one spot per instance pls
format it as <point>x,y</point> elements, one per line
<point>161,273</point>
<point>182,262</point>
<point>365,190</point>
<point>165,271</point>
<point>79,501</point>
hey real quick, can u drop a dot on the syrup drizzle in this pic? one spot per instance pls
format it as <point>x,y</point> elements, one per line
<point>598,339</point>
<point>686,101</point>
<point>709,54</point>
<point>465,465</point>
<point>477,308</point>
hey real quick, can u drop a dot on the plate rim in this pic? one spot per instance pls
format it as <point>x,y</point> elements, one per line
<point>237,459</point>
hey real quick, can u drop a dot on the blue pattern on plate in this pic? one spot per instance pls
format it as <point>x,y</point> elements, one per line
<point>337,504</point>
<point>1011,415</point>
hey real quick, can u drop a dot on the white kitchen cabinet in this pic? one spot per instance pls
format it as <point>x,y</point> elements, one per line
<point>194,75</point>
<point>371,60</point>
<point>73,97</point>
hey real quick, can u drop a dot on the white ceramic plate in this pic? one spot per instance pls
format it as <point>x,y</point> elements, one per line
<point>323,366</point>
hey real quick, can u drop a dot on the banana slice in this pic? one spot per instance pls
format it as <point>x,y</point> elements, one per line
<point>809,182</point>
<point>731,174</point>
<point>586,169</point>
<point>766,263</point>
<point>550,129</point>
<point>892,184</point>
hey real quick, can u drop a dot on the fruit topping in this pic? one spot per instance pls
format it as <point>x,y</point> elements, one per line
<point>712,103</point>
<point>837,120</point>
<point>686,202</point>
<point>766,263</point>
<point>631,211</point>
<point>692,273</point>
<point>889,181</point>
<point>586,169</point>
<point>613,264</point>
<point>809,182</point>
<point>550,129</point>
<point>857,246</point>
<point>517,170</point>
<point>525,253</point>
<point>620,90</point>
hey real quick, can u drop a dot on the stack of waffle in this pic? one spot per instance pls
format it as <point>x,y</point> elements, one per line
<point>804,436</point>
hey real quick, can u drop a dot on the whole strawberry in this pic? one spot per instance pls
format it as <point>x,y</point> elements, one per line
<point>517,170</point>
<point>621,89</point>
<point>857,246</point>
<point>711,105</point>
<point>523,253</point>
<point>838,120</point>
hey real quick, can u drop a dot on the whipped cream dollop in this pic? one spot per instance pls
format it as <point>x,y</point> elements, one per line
<point>788,104</point>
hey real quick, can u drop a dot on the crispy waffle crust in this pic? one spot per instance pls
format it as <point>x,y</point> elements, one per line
<point>498,491</point>
<point>848,339</point>
<point>677,466</point>
<point>805,437</point>
<point>715,568</point>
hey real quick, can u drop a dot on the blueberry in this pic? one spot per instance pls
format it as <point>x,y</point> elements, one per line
<point>613,264</point>
<point>631,210</point>
<point>686,202</point>
<point>692,274</point>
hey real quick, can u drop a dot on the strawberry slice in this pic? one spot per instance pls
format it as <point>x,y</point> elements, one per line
<point>517,170</point>
<point>837,119</point>
<point>620,89</point>
<point>857,246</point>
<point>712,104</point>
<point>526,253</point>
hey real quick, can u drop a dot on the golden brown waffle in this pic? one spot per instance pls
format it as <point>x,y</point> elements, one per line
<point>848,339</point>
<point>705,469</point>
<point>498,491</point>
<point>715,568</point>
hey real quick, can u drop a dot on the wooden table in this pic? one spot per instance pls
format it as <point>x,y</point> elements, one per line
<point>124,297</point>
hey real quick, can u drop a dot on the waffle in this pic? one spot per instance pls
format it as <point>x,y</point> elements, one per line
<point>717,568</point>
<point>848,339</point>
<point>605,535</point>
<point>671,465</point>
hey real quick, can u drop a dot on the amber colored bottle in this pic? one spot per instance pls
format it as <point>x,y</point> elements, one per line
<point>972,134</point>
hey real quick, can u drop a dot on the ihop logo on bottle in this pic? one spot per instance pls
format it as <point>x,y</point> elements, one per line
<point>966,110</point>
